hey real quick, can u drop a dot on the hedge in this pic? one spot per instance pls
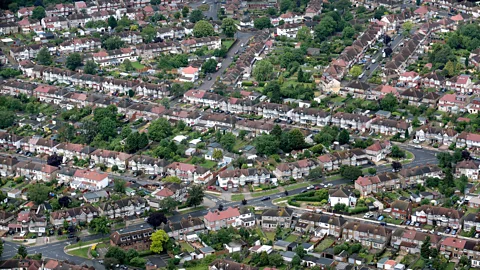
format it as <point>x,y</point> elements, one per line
<point>357,210</point>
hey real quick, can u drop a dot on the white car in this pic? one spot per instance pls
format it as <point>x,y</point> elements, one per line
<point>418,146</point>
<point>373,61</point>
<point>310,187</point>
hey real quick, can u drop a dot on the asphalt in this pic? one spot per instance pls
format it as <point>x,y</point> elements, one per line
<point>212,12</point>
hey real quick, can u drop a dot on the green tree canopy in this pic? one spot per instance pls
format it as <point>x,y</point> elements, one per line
<point>263,70</point>
<point>229,27</point>
<point>73,61</point>
<point>203,28</point>
<point>262,23</point>
<point>44,57</point>
<point>196,16</point>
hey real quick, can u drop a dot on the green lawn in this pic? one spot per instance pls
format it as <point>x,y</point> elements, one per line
<point>291,238</point>
<point>393,221</point>
<point>419,264</point>
<point>334,177</point>
<point>209,164</point>
<point>84,243</point>
<point>326,243</point>
<point>270,235</point>
<point>81,252</point>
<point>450,266</point>
<point>264,193</point>
<point>227,43</point>
<point>295,186</point>
<point>137,65</point>
<point>409,155</point>
<point>186,246</point>
<point>237,197</point>
<point>199,208</point>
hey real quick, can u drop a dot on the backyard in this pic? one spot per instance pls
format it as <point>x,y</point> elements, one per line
<point>326,243</point>
<point>186,246</point>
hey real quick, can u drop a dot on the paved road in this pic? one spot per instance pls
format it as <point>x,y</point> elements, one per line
<point>242,37</point>
<point>212,12</point>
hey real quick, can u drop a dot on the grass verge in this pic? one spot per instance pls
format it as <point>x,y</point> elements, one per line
<point>192,210</point>
<point>237,197</point>
<point>265,193</point>
<point>81,252</point>
<point>296,186</point>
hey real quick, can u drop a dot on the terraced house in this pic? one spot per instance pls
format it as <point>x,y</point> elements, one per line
<point>242,177</point>
<point>128,207</point>
<point>369,235</point>
<point>296,170</point>
<point>74,216</point>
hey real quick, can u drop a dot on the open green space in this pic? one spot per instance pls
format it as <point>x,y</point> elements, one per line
<point>265,193</point>
<point>81,252</point>
<point>228,43</point>
<point>238,197</point>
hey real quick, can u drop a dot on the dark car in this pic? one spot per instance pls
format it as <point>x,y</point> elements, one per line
<point>305,190</point>
<point>265,198</point>
<point>151,177</point>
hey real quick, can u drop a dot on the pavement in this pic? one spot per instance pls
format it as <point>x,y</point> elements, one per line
<point>242,38</point>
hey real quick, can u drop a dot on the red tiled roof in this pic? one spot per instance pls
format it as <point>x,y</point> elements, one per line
<point>220,215</point>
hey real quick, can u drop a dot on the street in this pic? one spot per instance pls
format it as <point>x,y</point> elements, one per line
<point>55,250</point>
<point>210,13</point>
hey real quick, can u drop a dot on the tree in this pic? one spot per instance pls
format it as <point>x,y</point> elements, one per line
<point>10,73</point>
<point>315,174</point>
<point>340,207</point>
<point>300,251</point>
<point>425,248</point>
<point>22,251</point>
<point>217,154</point>
<point>372,171</point>
<point>113,43</point>
<point>397,152</point>
<point>131,253</point>
<point>44,57</point>
<point>159,239</point>
<point>449,69</point>
<point>286,5</point>
<point>389,102</point>
<point>296,261</point>
<point>135,141</point>
<point>148,33</point>
<point>112,22</point>
<point>159,129</point>
<point>262,23</point>
<point>304,34</point>
<point>210,66</point>
<point>119,185</point>
<point>90,67</point>
<point>196,16</point>
<point>275,259</point>
<point>156,219</point>
<point>39,193</point>
<point>350,172</point>
<point>348,32</point>
<point>64,201</point>
<point>168,205</point>
<point>185,11</point>
<point>107,128</point>
<point>7,118</point>
<point>100,225</point>
<point>266,144</point>
<point>300,76</point>
<point>276,131</point>
<point>228,141</point>
<point>263,70</point>
<point>229,27</point>
<point>195,196</point>
<point>272,90</point>
<point>343,137</point>
<point>203,29</point>
<point>116,253</point>
<point>396,166</point>
<point>293,140</point>
<point>38,13</point>
<point>128,65</point>
<point>73,61</point>
<point>407,27</point>
<point>355,71</point>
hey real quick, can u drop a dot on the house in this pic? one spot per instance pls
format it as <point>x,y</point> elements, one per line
<point>438,216</point>
<point>74,216</point>
<point>288,30</point>
<point>222,264</point>
<point>95,196</point>
<point>468,140</point>
<point>90,180</point>
<point>7,166</point>
<point>135,238</point>
<point>469,168</point>
<point>147,164</point>
<point>188,172</point>
<point>471,220</point>
<point>401,209</point>
<point>391,127</point>
<point>242,177</point>
<point>415,175</point>
<point>235,246</point>
<point>341,195</point>
<point>453,103</point>
<point>322,224</point>
<point>412,240</point>
<point>5,219</point>
<point>203,97</point>
<point>296,170</point>
<point>377,183</point>
<point>276,217</point>
<point>351,121</point>
<point>454,248</point>
<point>35,171</point>
<point>110,158</point>
<point>309,116</point>
<point>184,229</point>
<point>369,235</point>
<point>378,150</point>
<point>189,74</point>
<point>220,219</point>
<point>436,135</point>
<point>273,110</point>
<point>124,208</point>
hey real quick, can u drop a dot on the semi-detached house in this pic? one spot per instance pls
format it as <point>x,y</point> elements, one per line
<point>128,207</point>
<point>73,216</point>
<point>89,180</point>
<point>438,216</point>
<point>411,241</point>
<point>242,177</point>
<point>321,224</point>
<point>188,172</point>
<point>276,217</point>
<point>369,235</point>
<point>216,220</point>
<point>296,170</point>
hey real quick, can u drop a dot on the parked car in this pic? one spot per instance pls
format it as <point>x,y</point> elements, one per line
<point>408,222</point>
<point>380,218</point>
<point>151,177</point>
<point>211,188</point>
<point>310,187</point>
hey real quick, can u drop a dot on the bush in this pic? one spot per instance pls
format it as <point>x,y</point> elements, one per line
<point>247,83</point>
<point>293,203</point>
<point>358,210</point>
